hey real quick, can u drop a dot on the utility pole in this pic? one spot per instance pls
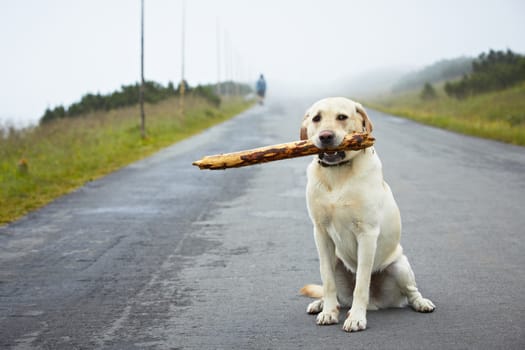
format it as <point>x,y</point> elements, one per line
<point>218,58</point>
<point>182,81</point>
<point>227,64</point>
<point>237,67</point>
<point>141,94</point>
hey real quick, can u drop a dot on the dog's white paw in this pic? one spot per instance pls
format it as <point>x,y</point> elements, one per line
<point>326,318</point>
<point>315,307</point>
<point>423,305</point>
<point>355,321</point>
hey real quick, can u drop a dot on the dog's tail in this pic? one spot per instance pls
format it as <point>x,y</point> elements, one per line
<point>312,291</point>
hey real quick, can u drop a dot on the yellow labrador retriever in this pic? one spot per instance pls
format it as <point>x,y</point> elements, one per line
<point>357,226</point>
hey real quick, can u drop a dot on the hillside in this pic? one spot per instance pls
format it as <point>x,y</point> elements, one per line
<point>498,115</point>
<point>487,102</point>
<point>447,69</point>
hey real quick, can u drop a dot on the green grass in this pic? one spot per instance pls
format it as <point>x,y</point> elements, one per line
<point>39,164</point>
<point>497,115</point>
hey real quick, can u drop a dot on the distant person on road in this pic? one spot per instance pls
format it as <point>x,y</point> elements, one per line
<point>260,88</point>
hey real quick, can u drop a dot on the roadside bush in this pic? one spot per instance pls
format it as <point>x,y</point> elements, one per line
<point>207,92</point>
<point>428,92</point>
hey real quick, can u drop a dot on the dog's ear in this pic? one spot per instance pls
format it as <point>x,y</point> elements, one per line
<point>304,134</point>
<point>367,124</point>
<point>304,131</point>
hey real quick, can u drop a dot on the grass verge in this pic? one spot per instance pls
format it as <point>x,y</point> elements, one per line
<point>497,115</point>
<point>42,163</point>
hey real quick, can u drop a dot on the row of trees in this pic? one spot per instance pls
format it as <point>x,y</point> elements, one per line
<point>128,95</point>
<point>491,71</point>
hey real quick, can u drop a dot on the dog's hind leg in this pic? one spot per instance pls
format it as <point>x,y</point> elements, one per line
<point>407,283</point>
<point>385,292</point>
<point>315,307</point>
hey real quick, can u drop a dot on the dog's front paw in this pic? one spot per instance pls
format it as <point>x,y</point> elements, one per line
<point>315,307</point>
<point>423,305</point>
<point>326,318</point>
<point>356,321</point>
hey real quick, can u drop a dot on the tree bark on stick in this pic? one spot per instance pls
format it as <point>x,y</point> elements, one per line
<point>272,153</point>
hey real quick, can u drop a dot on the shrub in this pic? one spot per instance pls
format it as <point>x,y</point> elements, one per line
<point>428,92</point>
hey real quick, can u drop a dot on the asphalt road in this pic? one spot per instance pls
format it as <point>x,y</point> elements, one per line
<point>161,255</point>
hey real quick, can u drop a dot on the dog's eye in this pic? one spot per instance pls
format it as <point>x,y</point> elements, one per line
<point>342,117</point>
<point>317,118</point>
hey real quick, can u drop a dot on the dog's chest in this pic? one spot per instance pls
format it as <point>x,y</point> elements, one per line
<point>341,202</point>
<point>344,210</point>
<point>341,211</point>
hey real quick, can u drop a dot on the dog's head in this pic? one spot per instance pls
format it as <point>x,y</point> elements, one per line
<point>329,120</point>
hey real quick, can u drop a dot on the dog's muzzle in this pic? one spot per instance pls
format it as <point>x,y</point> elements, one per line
<point>331,158</point>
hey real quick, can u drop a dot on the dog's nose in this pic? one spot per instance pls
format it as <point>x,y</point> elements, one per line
<point>326,137</point>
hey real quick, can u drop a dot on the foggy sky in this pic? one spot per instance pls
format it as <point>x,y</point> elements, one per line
<point>54,51</point>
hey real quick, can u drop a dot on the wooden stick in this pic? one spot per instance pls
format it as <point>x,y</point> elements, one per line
<point>295,149</point>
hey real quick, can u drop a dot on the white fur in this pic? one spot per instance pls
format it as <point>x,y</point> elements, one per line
<point>357,225</point>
